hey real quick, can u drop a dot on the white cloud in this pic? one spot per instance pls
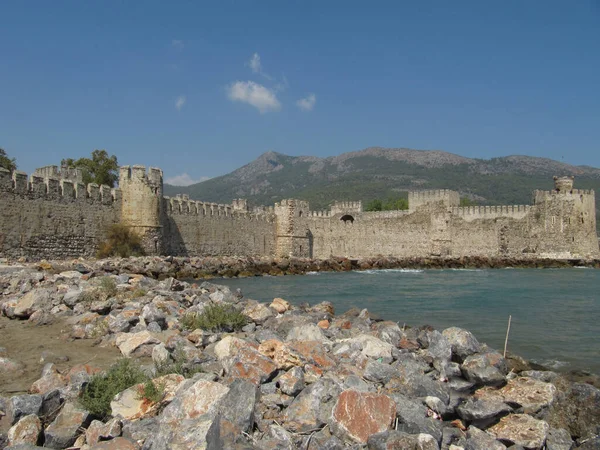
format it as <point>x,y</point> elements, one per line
<point>307,103</point>
<point>177,44</point>
<point>262,98</point>
<point>180,102</point>
<point>184,180</point>
<point>254,63</point>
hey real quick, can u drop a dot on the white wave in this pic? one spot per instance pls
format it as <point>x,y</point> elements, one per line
<point>380,271</point>
<point>312,273</point>
<point>552,363</point>
<point>467,270</point>
<point>582,267</point>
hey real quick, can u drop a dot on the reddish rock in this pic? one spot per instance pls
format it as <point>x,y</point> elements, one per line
<point>312,373</point>
<point>251,365</point>
<point>314,352</point>
<point>358,415</point>
<point>81,369</point>
<point>324,324</point>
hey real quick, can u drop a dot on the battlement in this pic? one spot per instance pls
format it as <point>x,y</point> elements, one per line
<point>301,204</point>
<point>346,207</point>
<point>129,174</point>
<point>64,173</point>
<point>448,197</point>
<point>182,205</point>
<point>52,188</point>
<point>491,212</point>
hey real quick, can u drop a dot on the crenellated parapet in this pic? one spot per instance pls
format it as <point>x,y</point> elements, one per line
<point>491,212</point>
<point>50,188</point>
<point>338,207</point>
<point>445,197</point>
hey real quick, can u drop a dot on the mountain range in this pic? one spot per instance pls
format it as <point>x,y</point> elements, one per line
<point>382,173</point>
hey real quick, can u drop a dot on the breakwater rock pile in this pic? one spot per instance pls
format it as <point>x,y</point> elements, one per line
<point>224,371</point>
<point>229,266</point>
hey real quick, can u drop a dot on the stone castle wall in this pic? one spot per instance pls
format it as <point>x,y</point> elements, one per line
<point>199,228</point>
<point>53,218</point>
<point>47,217</point>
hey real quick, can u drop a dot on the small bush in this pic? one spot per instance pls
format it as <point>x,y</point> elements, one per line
<point>138,293</point>
<point>152,392</point>
<point>215,318</point>
<point>120,241</point>
<point>102,388</point>
<point>179,365</point>
<point>105,288</point>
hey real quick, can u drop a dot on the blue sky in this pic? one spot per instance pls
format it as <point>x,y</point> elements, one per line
<point>201,88</point>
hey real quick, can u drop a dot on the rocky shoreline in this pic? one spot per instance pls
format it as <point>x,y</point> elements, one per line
<point>228,266</point>
<point>288,377</point>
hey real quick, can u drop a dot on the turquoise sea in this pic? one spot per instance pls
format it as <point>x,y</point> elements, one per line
<point>555,312</point>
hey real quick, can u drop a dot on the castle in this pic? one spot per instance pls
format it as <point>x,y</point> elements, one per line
<point>52,214</point>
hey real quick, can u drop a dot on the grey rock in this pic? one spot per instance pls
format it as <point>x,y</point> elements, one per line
<point>413,418</point>
<point>358,384</point>
<point>488,369</point>
<point>308,332</point>
<point>23,405</point>
<point>139,430</point>
<point>379,372</point>
<point>480,440</point>
<point>51,403</point>
<point>478,409</point>
<point>118,324</point>
<point>154,327</point>
<point>312,408</point>
<point>394,439</point>
<point>237,406</point>
<point>151,313</point>
<point>546,376</point>
<point>463,342</point>
<point>63,430</point>
<point>453,436</point>
<point>439,346</point>
<point>558,439</point>
<point>72,297</point>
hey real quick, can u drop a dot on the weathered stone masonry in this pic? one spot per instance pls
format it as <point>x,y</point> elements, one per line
<point>48,216</point>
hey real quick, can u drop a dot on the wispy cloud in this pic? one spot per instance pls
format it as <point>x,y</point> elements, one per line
<point>307,103</point>
<point>177,44</point>
<point>255,64</point>
<point>180,102</point>
<point>257,95</point>
<point>184,180</point>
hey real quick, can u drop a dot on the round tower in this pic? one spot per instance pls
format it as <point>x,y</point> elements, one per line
<point>563,184</point>
<point>141,204</point>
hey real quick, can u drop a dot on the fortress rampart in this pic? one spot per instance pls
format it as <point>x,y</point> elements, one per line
<point>48,215</point>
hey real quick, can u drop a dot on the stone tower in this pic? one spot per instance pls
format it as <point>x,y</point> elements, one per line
<point>142,202</point>
<point>565,221</point>
<point>293,237</point>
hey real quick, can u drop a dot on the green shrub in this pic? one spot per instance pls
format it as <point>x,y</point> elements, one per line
<point>105,288</point>
<point>179,365</point>
<point>102,388</point>
<point>215,317</point>
<point>153,392</point>
<point>120,241</point>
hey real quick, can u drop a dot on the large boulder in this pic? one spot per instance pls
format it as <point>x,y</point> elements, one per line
<point>358,415</point>
<point>521,429</point>
<point>26,431</point>
<point>463,342</point>
<point>129,343</point>
<point>31,302</point>
<point>312,407</point>
<point>488,369</point>
<point>23,405</point>
<point>191,420</point>
<point>63,430</point>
